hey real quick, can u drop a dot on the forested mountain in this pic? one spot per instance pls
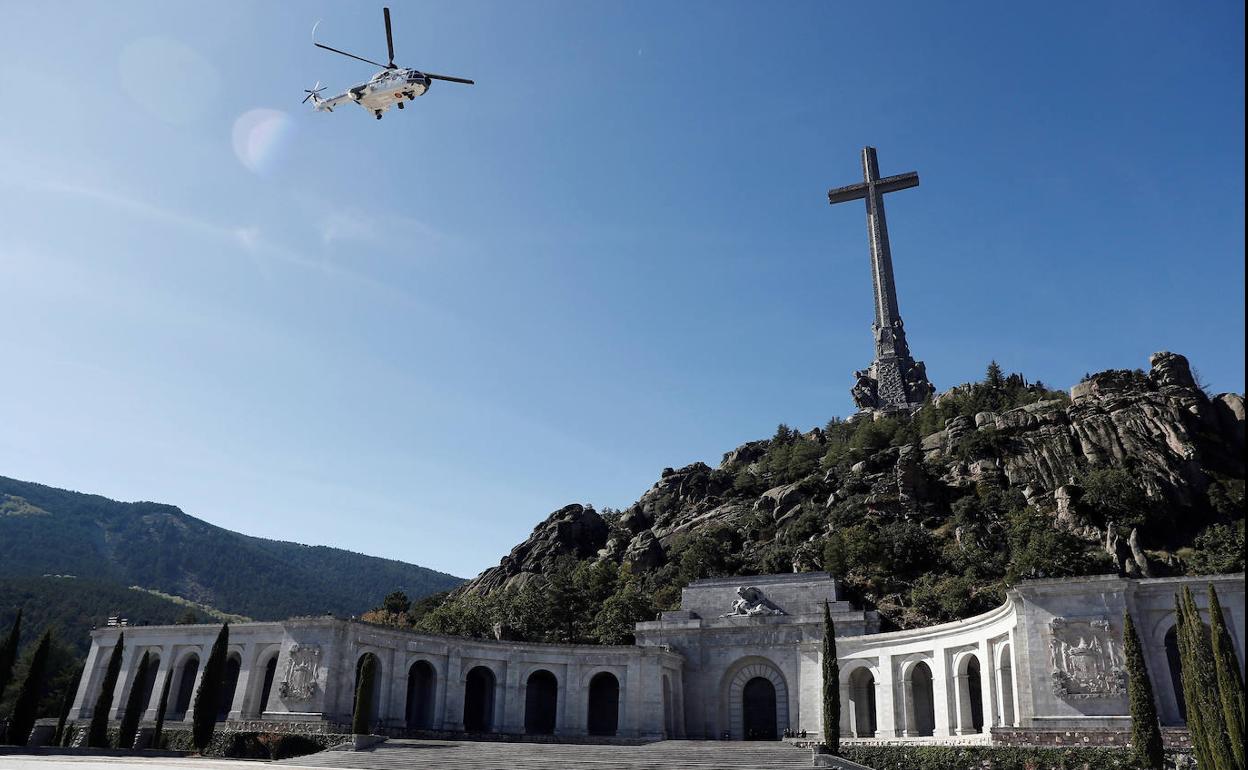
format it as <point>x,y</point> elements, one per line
<point>48,531</point>
<point>925,517</point>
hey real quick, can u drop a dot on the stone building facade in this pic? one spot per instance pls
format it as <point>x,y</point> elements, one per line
<point>739,660</point>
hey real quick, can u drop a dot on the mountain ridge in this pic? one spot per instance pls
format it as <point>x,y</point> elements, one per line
<point>47,530</point>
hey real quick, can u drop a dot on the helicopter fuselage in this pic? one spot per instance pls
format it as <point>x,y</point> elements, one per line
<point>384,90</point>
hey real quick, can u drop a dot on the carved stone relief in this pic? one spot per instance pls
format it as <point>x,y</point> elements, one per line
<point>1085,658</point>
<point>751,602</point>
<point>301,671</point>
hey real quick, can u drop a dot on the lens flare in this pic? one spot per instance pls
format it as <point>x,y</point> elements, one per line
<point>260,138</point>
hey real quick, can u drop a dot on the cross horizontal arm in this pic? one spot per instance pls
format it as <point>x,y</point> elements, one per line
<point>888,184</point>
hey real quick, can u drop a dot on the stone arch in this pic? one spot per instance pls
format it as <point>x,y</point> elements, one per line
<point>479,685</point>
<point>732,704</point>
<point>266,684</point>
<point>229,683</point>
<point>422,680</point>
<point>379,679</point>
<point>541,702</point>
<point>919,706</point>
<point>147,683</point>
<point>862,717</point>
<point>970,696</point>
<point>184,673</point>
<point>604,704</point>
<point>1005,685</point>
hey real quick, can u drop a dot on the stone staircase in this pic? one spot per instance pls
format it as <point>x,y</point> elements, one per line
<point>485,755</point>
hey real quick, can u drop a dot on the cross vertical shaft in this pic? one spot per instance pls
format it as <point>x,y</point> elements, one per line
<point>881,254</point>
<point>894,380</point>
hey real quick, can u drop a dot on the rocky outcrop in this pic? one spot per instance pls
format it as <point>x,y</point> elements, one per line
<point>573,530</point>
<point>1172,437</point>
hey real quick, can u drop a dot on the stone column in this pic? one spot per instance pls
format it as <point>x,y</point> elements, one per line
<point>509,702</point>
<point>940,692</point>
<point>886,722</point>
<point>987,696</point>
<point>451,716</point>
<point>398,691</point>
<point>240,705</point>
<point>1014,677</point>
<point>92,673</point>
<point>163,672</point>
<point>573,719</point>
<point>849,711</point>
<point>199,677</point>
<point>961,704</point>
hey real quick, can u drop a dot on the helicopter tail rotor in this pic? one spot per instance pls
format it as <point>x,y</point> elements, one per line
<point>313,93</point>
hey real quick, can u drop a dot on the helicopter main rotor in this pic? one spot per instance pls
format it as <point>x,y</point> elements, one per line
<point>389,49</point>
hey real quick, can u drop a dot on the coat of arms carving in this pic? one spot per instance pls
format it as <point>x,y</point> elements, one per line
<point>301,671</point>
<point>1086,660</point>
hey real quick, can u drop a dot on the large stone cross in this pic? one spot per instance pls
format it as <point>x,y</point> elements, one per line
<point>894,380</point>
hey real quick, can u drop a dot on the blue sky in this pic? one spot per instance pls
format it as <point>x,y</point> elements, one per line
<point>417,337</point>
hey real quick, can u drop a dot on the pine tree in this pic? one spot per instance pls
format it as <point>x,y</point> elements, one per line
<point>160,710</point>
<point>134,706</point>
<point>1230,685</point>
<point>993,378</point>
<point>1146,743</point>
<point>8,653</point>
<point>364,697</point>
<point>1200,688</point>
<point>831,685</point>
<point>208,697</point>
<point>97,735</point>
<point>25,710</point>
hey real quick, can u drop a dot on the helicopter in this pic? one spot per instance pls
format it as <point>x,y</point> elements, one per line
<point>392,86</point>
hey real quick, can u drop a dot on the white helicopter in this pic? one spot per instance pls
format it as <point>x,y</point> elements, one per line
<point>392,86</point>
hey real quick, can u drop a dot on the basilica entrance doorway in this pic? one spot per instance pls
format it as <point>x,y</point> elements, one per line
<point>758,710</point>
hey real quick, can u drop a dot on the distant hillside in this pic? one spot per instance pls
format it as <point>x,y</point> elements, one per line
<point>48,531</point>
<point>72,606</point>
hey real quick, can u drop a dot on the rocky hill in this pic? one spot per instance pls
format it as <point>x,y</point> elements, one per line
<point>927,517</point>
<point>48,531</point>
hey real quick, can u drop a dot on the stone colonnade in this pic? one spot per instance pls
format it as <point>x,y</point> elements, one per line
<point>306,670</point>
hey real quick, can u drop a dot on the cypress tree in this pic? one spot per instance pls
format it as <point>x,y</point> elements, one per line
<point>160,710</point>
<point>831,685</point>
<point>67,703</point>
<point>364,697</point>
<point>134,708</point>
<point>27,705</point>
<point>8,653</point>
<point>208,697</point>
<point>1146,745</point>
<point>1230,685</point>
<point>1200,687</point>
<point>97,735</point>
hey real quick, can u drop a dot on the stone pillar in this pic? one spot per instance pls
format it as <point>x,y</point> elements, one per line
<point>962,705</point>
<point>987,695</point>
<point>1014,677</point>
<point>886,721</point>
<point>509,702</point>
<point>163,672</point>
<point>199,677</point>
<point>92,673</point>
<point>574,703</point>
<point>397,691</point>
<point>849,712</point>
<point>451,716</point>
<point>240,705</point>
<point>940,692</point>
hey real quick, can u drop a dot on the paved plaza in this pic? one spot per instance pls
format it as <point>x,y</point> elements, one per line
<point>476,755</point>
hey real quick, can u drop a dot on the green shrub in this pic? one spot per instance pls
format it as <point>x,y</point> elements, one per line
<point>987,758</point>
